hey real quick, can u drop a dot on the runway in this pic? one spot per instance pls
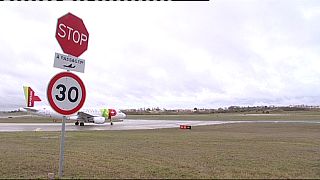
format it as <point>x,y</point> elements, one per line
<point>124,125</point>
<point>128,124</point>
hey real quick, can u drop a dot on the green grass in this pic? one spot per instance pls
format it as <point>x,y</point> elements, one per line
<point>292,116</point>
<point>28,119</point>
<point>249,150</point>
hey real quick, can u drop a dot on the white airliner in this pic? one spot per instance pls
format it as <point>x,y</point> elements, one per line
<point>93,115</point>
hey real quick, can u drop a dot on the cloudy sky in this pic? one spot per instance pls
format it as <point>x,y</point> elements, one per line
<point>170,54</point>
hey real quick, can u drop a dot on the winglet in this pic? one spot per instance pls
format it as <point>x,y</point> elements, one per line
<point>30,96</point>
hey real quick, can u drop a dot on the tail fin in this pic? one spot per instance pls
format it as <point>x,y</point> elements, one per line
<point>30,96</point>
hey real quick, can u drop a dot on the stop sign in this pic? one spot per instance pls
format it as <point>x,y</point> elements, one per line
<point>72,35</point>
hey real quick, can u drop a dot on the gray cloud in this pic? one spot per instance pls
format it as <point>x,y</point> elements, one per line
<point>212,54</point>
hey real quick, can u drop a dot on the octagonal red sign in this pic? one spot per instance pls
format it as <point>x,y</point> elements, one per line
<point>72,35</point>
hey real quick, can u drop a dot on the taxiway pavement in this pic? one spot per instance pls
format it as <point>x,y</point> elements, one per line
<point>128,124</point>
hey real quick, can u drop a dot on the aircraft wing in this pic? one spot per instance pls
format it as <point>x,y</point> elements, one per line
<point>85,117</point>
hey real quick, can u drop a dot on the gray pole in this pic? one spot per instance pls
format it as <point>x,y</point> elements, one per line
<point>63,127</point>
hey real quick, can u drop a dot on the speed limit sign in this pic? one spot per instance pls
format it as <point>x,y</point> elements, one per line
<point>66,93</point>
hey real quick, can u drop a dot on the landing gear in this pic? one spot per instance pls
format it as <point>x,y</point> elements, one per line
<point>77,123</point>
<point>111,123</point>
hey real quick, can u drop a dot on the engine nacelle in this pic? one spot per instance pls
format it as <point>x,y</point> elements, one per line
<point>99,120</point>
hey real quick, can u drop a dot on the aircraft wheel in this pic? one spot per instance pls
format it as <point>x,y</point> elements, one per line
<point>76,123</point>
<point>111,123</point>
<point>81,123</point>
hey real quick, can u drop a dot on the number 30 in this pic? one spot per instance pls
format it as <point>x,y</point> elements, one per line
<point>63,93</point>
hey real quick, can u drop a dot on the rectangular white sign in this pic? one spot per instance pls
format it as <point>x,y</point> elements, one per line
<point>68,62</point>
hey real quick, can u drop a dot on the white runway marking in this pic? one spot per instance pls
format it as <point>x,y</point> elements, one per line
<point>128,124</point>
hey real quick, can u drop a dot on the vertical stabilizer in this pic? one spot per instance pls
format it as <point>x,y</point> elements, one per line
<point>30,96</point>
<point>26,94</point>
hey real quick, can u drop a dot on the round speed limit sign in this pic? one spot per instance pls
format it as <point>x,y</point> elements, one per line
<point>66,93</point>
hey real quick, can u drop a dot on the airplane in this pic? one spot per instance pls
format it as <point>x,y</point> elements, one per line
<point>69,66</point>
<point>91,115</point>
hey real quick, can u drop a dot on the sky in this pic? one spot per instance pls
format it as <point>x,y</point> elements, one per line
<point>169,55</point>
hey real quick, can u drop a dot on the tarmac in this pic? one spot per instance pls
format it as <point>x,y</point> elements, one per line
<point>124,125</point>
<point>128,124</point>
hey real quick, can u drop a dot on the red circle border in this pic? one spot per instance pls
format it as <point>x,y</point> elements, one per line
<point>49,90</point>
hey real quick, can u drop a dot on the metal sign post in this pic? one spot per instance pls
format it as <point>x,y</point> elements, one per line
<point>66,92</point>
<point>63,127</point>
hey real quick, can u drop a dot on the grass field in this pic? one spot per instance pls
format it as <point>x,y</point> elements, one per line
<point>28,119</point>
<point>292,116</point>
<point>250,150</point>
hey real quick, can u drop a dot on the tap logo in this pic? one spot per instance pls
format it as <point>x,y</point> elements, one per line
<point>108,113</point>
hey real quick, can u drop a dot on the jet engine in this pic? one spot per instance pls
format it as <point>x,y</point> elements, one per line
<point>99,120</point>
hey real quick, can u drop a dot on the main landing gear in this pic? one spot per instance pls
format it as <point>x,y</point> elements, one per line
<point>77,123</point>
